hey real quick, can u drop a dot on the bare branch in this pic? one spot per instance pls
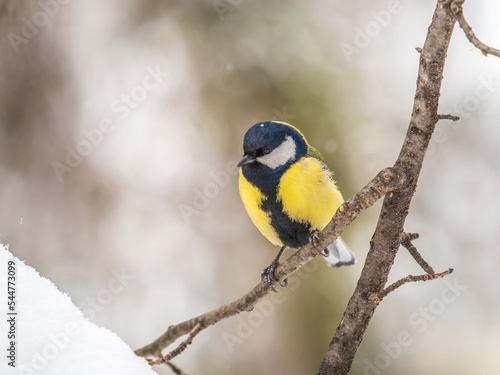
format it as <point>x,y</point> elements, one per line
<point>182,346</point>
<point>406,242</point>
<point>387,180</point>
<point>457,10</point>
<point>408,279</point>
<point>175,369</point>
<point>448,117</point>
<point>387,238</point>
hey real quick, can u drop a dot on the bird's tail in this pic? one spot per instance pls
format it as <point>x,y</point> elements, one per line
<point>339,254</point>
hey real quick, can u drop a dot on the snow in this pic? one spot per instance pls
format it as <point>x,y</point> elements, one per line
<point>52,335</point>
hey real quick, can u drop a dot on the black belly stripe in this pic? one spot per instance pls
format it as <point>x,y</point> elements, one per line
<point>292,233</point>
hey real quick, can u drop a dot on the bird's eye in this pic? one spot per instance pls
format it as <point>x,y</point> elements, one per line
<point>267,150</point>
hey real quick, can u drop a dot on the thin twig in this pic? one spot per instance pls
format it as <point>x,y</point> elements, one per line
<point>182,346</point>
<point>457,10</point>
<point>406,242</point>
<point>410,279</point>
<point>448,117</point>
<point>175,369</point>
<point>387,180</point>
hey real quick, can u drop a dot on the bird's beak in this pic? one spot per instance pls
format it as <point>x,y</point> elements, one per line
<point>247,159</point>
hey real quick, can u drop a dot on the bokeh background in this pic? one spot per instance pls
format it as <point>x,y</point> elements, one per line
<point>120,126</point>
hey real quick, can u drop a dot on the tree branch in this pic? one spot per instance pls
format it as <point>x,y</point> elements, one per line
<point>387,180</point>
<point>387,237</point>
<point>406,242</point>
<point>457,10</point>
<point>408,279</point>
<point>448,117</point>
<point>182,346</point>
<point>175,369</point>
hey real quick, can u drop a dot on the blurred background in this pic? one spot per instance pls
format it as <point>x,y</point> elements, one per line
<point>120,126</point>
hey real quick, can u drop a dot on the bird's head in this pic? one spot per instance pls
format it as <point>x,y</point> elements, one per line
<point>272,146</point>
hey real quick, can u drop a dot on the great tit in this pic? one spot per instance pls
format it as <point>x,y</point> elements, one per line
<point>288,191</point>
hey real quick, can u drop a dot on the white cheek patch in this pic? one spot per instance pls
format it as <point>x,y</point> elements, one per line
<point>280,155</point>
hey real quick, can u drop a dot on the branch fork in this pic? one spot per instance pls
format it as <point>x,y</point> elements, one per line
<point>406,241</point>
<point>458,12</point>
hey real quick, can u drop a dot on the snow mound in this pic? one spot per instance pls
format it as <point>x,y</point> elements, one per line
<point>44,333</point>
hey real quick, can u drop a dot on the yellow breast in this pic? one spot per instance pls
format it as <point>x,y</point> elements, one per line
<point>252,199</point>
<point>309,194</point>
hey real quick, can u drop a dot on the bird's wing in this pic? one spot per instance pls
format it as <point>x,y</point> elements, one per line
<point>313,153</point>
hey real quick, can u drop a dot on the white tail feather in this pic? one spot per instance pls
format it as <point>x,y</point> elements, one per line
<point>339,254</point>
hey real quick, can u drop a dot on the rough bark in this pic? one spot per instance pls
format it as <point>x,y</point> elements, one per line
<point>390,227</point>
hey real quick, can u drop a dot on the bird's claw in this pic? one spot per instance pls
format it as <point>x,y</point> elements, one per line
<point>325,252</point>
<point>268,274</point>
<point>314,239</point>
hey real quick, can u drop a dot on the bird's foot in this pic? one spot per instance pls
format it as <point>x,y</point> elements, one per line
<point>314,239</point>
<point>268,274</point>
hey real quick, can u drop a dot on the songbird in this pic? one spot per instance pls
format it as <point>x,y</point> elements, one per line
<point>288,191</point>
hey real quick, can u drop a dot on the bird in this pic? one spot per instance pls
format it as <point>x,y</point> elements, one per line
<point>288,192</point>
